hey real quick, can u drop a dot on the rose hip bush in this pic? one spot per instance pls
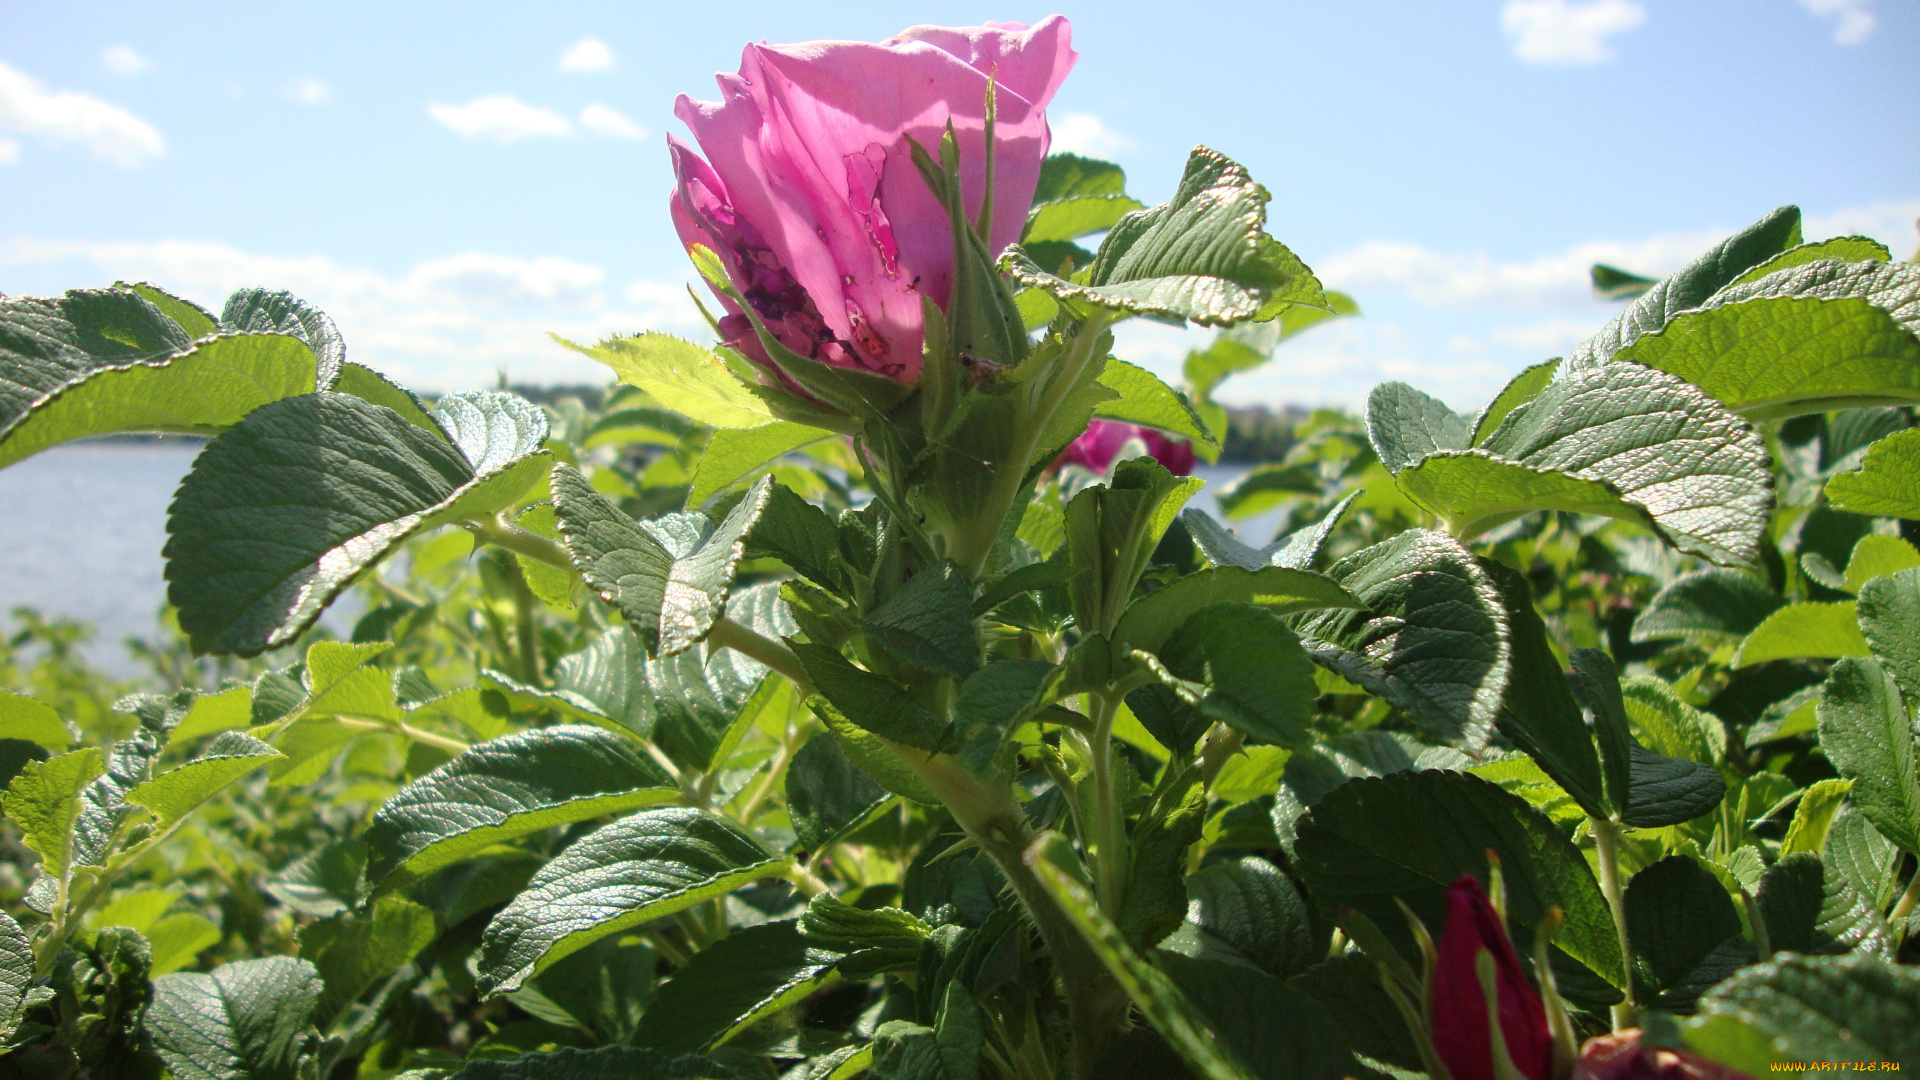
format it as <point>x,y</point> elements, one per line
<point>853,693</point>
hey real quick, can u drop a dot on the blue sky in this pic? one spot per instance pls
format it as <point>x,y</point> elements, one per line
<point>451,181</point>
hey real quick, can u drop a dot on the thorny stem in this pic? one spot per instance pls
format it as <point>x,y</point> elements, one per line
<point>1110,825</point>
<point>727,634</point>
<point>525,634</point>
<point>1606,844</point>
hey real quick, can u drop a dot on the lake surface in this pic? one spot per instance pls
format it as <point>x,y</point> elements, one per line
<point>85,522</point>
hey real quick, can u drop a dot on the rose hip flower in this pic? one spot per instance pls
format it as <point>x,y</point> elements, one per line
<point>1462,1036</point>
<point>809,195</point>
<point>1621,1056</point>
<point>1105,439</point>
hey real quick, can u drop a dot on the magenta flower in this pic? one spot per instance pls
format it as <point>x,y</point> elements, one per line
<point>1462,1037</point>
<point>810,197</point>
<point>1104,439</point>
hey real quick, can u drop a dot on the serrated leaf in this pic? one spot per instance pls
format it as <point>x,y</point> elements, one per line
<point>1258,679</point>
<point>1144,399</point>
<point>16,973</point>
<point>1071,217</point>
<point>602,1063</point>
<point>1432,639</point>
<point>640,868</point>
<point>1706,603</point>
<point>174,794</point>
<point>22,717</point>
<point>929,622</point>
<point>1355,849</point>
<point>993,702</point>
<point>1809,909</point>
<point>285,509</point>
<point>865,750</point>
<point>734,454</point>
<point>1893,287</point>
<point>202,390</point>
<point>874,703</point>
<point>1857,853</point>
<point>1887,483</point>
<point>1252,906</point>
<point>504,789</point>
<point>827,794</point>
<point>1202,255</point>
<point>243,1021</point>
<point>1842,248</point>
<point>1668,725</point>
<point>351,952</point>
<point>1681,921</point>
<point>1406,425</point>
<point>197,321</point>
<point>1519,390</point>
<point>1063,175</point>
<point>1272,1024</point>
<point>801,535</point>
<point>43,802</point>
<point>1113,529</point>
<point>670,578</point>
<point>1811,629</point>
<point>48,343</point>
<point>1810,1009</point>
<point>680,375</point>
<point>1867,732</point>
<point>744,977</point>
<point>1889,611</point>
<point>1151,619</point>
<point>1687,289</point>
<point>1671,455</point>
<point>369,385</point>
<point>1667,791</point>
<point>267,311</point>
<point>1878,556</point>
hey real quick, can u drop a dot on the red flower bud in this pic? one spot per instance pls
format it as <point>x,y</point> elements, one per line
<point>1462,1035</point>
<point>1622,1057</point>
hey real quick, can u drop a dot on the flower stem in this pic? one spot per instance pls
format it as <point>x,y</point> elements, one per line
<point>1606,844</point>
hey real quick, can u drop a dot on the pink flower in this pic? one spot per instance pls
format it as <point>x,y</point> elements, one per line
<point>1104,439</point>
<point>1622,1057</point>
<point>810,197</point>
<point>1462,1037</point>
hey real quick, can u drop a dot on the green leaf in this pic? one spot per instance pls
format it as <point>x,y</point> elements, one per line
<point>744,977</point>
<point>873,703</point>
<point>1892,287</point>
<point>1712,603</point>
<point>1355,849</point>
<point>1670,455</point>
<point>1252,906</point>
<point>873,757</point>
<point>1202,256</point>
<point>16,973</point>
<point>1597,684</point>
<point>352,952</point>
<point>1432,640</point>
<point>1349,986</point>
<point>670,577</point>
<point>680,375</point>
<point>49,343</point>
<point>1066,175</point>
<point>1811,629</point>
<point>202,390</point>
<point>552,584</point>
<point>638,869</point>
<point>1867,732</point>
<point>1144,399</point>
<point>1406,425</point>
<point>178,940</point>
<point>603,1063</point>
<point>44,800</point>
<point>734,454</point>
<point>1075,216</point>
<point>1186,1029</point>
<point>603,988</point>
<point>929,622</point>
<point>507,788</point>
<point>176,793</point>
<point>369,385</point>
<point>265,311</point>
<point>1856,853</point>
<point>1810,1009</point>
<point>1670,726</point>
<point>1890,622</point>
<point>1538,712</point>
<point>1151,619</point>
<point>1667,791</point>
<point>284,510</point>
<point>22,717</point>
<point>1878,556</point>
<point>1809,909</point>
<point>994,702</point>
<point>801,535</point>
<point>1887,483</point>
<point>243,1021</point>
<point>1684,931</point>
<point>197,321</point>
<point>1276,1026</point>
<point>1690,287</point>
<point>1842,248</point>
<point>1259,680</point>
<point>950,1050</point>
<point>1519,390</point>
<point>827,794</point>
<point>1612,283</point>
<point>1774,357</point>
<point>1112,529</point>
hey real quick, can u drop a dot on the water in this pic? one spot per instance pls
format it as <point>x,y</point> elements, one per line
<point>85,522</point>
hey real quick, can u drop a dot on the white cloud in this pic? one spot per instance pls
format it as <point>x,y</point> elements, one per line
<point>1455,279</point>
<point>1086,134</point>
<point>1567,32</point>
<point>308,91</point>
<point>604,120</point>
<point>1853,20</point>
<point>444,324</point>
<point>9,151</point>
<point>1893,222</point>
<point>499,118</point>
<point>108,130</point>
<point>122,60</point>
<point>587,54</point>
